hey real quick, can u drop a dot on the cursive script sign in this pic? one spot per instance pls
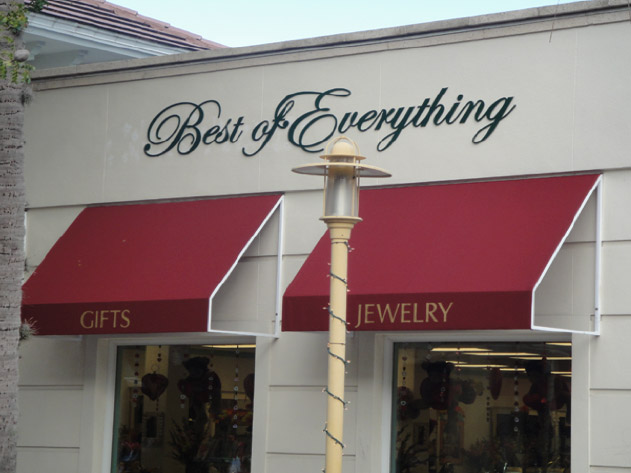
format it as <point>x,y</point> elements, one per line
<point>307,120</point>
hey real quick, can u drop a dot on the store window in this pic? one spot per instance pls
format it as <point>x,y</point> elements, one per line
<point>184,409</point>
<point>481,407</point>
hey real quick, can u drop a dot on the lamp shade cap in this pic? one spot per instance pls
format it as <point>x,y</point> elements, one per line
<point>322,169</point>
<point>341,155</point>
<point>344,148</point>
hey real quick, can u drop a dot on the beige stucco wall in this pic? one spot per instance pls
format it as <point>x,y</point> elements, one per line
<point>86,129</point>
<point>565,88</point>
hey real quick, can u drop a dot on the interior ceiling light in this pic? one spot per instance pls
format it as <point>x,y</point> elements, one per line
<point>229,346</point>
<point>461,349</point>
<point>505,353</point>
<point>560,344</point>
<point>540,357</point>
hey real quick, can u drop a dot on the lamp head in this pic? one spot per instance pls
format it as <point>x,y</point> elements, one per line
<point>341,170</point>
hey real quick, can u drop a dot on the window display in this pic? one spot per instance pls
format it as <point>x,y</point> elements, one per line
<point>184,409</point>
<point>481,407</point>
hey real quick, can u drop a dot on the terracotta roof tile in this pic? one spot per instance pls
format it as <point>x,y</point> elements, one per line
<point>108,16</point>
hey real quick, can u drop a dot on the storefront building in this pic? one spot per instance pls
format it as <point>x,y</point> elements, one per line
<point>178,270</point>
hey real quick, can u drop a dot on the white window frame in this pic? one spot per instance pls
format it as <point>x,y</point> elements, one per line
<point>97,424</point>
<point>378,422</point>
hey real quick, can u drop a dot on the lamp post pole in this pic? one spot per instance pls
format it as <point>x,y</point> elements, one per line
<point>340,232</point>
<point>341,170</point>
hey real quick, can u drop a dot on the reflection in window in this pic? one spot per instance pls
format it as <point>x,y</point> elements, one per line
<point>481,407</point>
<point>184,409</point>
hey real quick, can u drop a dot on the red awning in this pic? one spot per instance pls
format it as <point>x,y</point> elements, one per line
<point>142,268</point>
<point>458,257</point>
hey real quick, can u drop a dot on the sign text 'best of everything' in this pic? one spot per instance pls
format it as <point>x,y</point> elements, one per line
<point>307,120</point>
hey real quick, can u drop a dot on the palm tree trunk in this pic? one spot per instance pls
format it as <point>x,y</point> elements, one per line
<point>12,202</point>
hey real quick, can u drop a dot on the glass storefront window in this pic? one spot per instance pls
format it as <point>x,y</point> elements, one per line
<point>481,407</point>
<point>184,409</point>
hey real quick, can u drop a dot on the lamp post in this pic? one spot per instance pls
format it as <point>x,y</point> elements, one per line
<point>341,170</point>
